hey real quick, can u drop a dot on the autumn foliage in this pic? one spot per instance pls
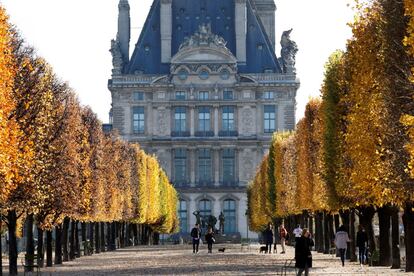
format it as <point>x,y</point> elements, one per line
<point>55,160</point>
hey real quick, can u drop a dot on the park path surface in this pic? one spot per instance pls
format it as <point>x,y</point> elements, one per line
<point>179,260</point>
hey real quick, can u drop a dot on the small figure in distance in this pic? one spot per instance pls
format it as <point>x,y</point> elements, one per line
<point>361,243</point>
<point>210,239</point>
<point>268,238</point>
<point>341,242</point>
<point>196,234</point>
<point>303,255</point>
<point>297,232</point>
<point>283,234</point>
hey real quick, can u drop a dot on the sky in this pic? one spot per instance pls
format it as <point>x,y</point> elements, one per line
<point>74,37</point>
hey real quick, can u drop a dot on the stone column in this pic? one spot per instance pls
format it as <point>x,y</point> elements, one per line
<point>240,23</point>
<point>216,165</point>
<point>192,121</point>
<point>150,121</point>
<point>166,30</point>
<point>216,121</point>
<point>192,166</point>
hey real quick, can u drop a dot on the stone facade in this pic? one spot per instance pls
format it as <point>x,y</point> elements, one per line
<point>208,124</point>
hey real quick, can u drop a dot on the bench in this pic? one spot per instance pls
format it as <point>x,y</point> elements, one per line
<point>33,259</point>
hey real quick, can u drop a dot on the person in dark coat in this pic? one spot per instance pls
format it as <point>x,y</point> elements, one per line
<point>361,243</point>
<point>268,238</point>
<point>303,255</point>
<point>196,234</point>
<point>210,239</point>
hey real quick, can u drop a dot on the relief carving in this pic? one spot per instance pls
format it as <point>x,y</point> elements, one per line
<point>162,119</point>
<point>247,121</point>
<point>248,165</point>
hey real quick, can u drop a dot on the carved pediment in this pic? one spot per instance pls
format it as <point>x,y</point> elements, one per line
<point>204,47</point>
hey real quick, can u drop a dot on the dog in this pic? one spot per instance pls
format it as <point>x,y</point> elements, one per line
<point>263,249</point>
<point>222,249</point>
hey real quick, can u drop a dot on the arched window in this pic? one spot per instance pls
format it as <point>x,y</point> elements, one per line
<point>229,210</point>
<point>182,214</point>
<point>205,207</point>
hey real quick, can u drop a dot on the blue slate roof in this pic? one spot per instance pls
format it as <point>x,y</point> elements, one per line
<point>188,15</point>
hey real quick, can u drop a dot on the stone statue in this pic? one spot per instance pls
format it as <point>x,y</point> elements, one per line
<point>198,217</point>
<point>288,53</point>
<point>212,220</point>
<point>221,219</point>
<point>203,37</point>
<point>117,61</point>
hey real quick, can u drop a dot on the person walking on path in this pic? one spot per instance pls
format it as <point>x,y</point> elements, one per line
<point>361,243</point>
<point>341,242</point>
<point>303,255</point>
<point>297,232</point>
<point>283,236</point>
<point>210,240</point>
<point>268,238</point>
<point>196,234</point>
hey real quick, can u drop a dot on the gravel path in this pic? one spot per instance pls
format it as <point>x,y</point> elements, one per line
<point>179,260</point>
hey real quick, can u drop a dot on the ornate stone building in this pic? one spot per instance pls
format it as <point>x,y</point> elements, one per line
<point>204,91</point>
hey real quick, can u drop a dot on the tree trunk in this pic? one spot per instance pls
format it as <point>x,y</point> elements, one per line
<point>336,221</point>
<point>97,239</point>
<point>135,231</point>
<point>311,228</point>
<point>29,243</point>
<point>83,235</point>
<point>408,220</point>
<point>58,245</point>
<point>112,236</point>
<point>396,258</point>
<point>12,220</point>
<point>327,240</point>
<point>331,229</point>
<point>49,240</point>
<point>352,236</point>
<point>102,236</point>
<point>40,251</point>
<point>122,233</point>
<point>91,239</point>
<point>72,246</point>
<point>108,236</point>
<point>1,247</point>
<point>65,239</point>
<point>366,214</point>
<point>77,243</point>
<point>319,233</point>
<point>384,237</point>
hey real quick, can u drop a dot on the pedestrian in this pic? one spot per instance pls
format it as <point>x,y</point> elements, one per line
<point>210,239</point>
<point>303,255</point>
<point>268,238</point>
<point>282,235</point>
<point>361,243</point>
<point>196,234</point>
<point>341,242</point>
<point>297,232</point>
